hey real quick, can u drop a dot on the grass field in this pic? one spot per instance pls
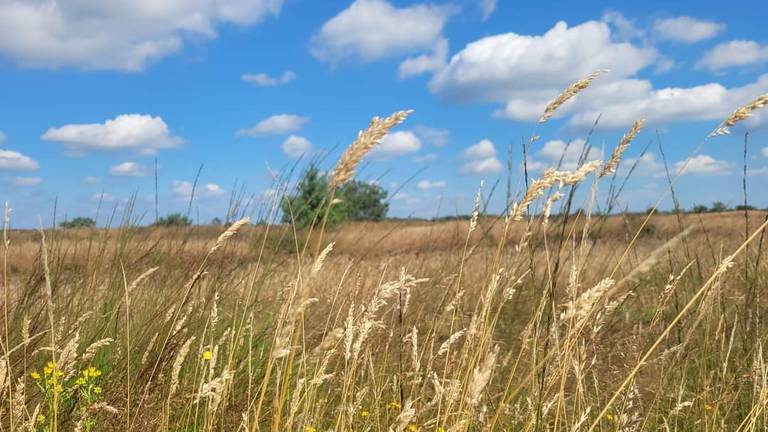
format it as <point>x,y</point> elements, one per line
<point>525,321</point>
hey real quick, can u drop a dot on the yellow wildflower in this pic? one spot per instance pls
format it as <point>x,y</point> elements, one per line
<point>41,418</point>
<point>80,381</point>
<point>393,405</point>
<point>35,376</point>
<point>308,428</point>
<point>207,355</point>
<point>708,407</point>
<point>364,414</point>
<point>97,390</point>
<point>413,428</point>
<point>609,417</point>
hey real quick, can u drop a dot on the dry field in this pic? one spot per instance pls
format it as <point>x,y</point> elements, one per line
<point>527,321</point>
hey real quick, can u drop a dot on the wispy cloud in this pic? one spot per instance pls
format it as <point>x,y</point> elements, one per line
<point>275,125</point>
<point>264,80</point>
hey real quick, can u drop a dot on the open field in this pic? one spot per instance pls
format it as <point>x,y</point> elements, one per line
<point>403,325</point>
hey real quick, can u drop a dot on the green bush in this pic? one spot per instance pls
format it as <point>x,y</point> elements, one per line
<point>79,222</point>
<point>174,220</point>
<point>355,200</point>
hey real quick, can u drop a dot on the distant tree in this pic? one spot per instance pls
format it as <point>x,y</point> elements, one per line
<point>364,201</point>
<point>699,208</point>
<point>174,220</point>
<point>216,222</point>
<point>355,200</point>
<point>718,206</point>
<point>743,207</point>
<point>79,222</point>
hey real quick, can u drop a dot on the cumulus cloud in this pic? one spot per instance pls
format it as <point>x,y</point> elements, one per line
<point>487,7</point>
<point>623,102</point>
<point>91,180</point>
<point>734,53</point>
<point>116,34</point>
<point>430,184</point>
<point>526,72</point>
<point>264,80</point>
<point>128,169</point>
<point>704,164</point>
<point>15,161</point>
<point>626,29</point>
<point>508,66</point>
<point>686,29</point>
<point>27,181</point>
<point>433,136</point>
<point>481,150</point>
<point>480,159</point>
<point>135,132</point>
<point>370,30</point>
<point>396,144</point>
<point>275,125</point>
<point>182,190</point>
<point>424,63</point>
<point>764,152</point>
<point>296,146</point>
<point>647,166</point>
<point>566,154</point>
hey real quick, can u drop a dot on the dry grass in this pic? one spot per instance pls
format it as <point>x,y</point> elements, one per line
<point>540,319</point>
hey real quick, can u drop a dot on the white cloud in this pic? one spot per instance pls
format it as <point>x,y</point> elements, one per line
<point>136,132</point>
<point>182,190</point>
<point>647,166</point>
<point>425,157</point>
<point>396,144</point>
<point>296,146</point>
<point>115,34</point>
<point>275,125</point>
<point>487,7</point>
<point>424,63</point>
<point>734,53</point>
<point>370,30</point>
<point>569,153</point>
<point>686,29</point>
<point>704,164</point>
<point>481,159</point>
<point>623,102</point>
<point>2,137</point>
<point>91,180</point>
<point>481,166</point>
<point>625,28</point>
<point>527,72</point>
<point>103,196</point>
<point>764,152</point>
<point>15,161</point>
<point>433,136</point>
<point>27,181</point>
<point>433,184</point>
<point>264,80</point>
<point>481,150</point>
<point>511,66</point>
<point>755,172</point>
<point>128,169</point>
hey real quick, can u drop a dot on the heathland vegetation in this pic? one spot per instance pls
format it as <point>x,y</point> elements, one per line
<point>548,316</point>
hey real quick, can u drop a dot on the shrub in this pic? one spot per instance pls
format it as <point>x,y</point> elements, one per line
<point>174,220</point>
<point>79,222</point>
<point>355,200</point>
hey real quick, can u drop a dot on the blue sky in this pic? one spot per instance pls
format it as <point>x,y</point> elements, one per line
<point>93,92</point>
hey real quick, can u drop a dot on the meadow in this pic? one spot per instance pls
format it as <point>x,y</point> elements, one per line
<point>549,316</point>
